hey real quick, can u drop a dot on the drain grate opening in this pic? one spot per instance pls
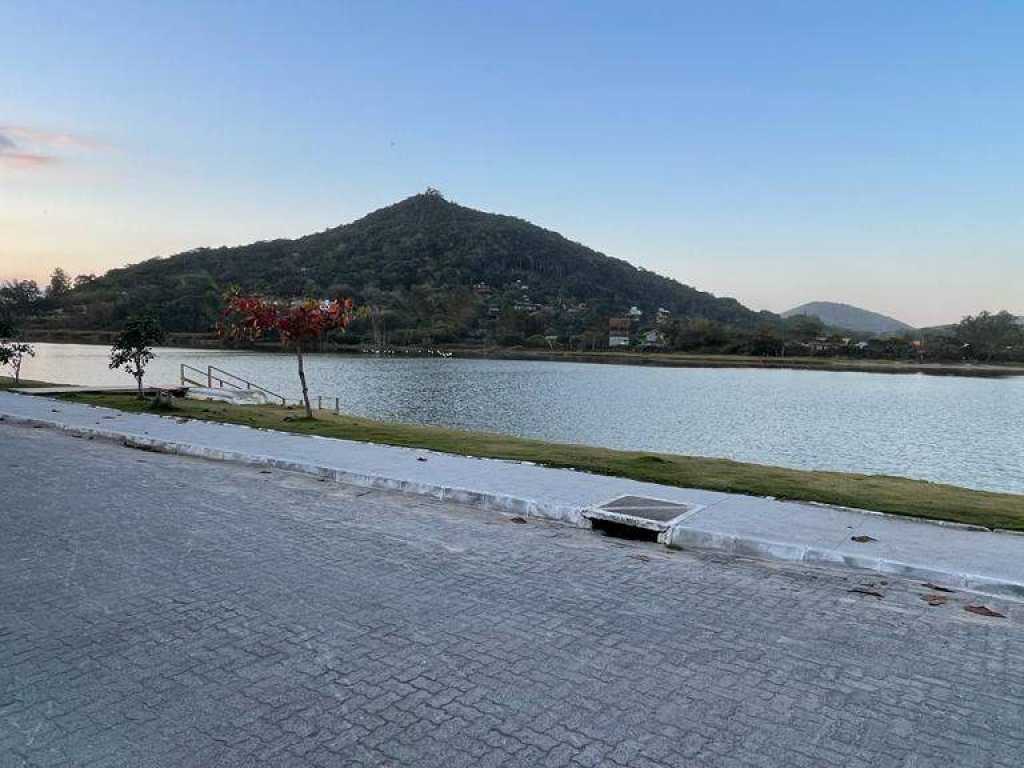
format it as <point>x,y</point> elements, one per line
<point>640,512</point>
<point>623,530</point>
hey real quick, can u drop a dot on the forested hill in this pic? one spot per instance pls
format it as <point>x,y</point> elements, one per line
<point>429,263</point>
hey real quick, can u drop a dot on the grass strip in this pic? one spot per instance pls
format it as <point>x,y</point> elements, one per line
<point>882,493</point>
<point>6,382</point>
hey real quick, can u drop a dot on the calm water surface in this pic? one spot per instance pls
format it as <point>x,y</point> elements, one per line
<point>963,431</point>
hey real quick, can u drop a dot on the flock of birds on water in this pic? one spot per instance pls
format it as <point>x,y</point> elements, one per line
<point>418,351</point>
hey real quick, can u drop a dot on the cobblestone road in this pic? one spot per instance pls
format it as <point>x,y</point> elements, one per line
<point>160,611</point>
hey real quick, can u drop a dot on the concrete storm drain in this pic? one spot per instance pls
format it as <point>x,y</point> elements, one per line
<point>637,517</point>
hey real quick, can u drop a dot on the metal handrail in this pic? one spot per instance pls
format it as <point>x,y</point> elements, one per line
<point>223,382</point>
<point>248,384</point>
<point>186,380</point>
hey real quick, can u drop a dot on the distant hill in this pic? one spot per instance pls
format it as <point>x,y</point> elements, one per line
<point>850,317</point>
<point>432,264</point>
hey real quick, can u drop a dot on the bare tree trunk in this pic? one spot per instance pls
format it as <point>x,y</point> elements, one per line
<point>302,379</point>
<point>138,376</point>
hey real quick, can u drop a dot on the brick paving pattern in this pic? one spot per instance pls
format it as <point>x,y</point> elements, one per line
<point>160,611</point>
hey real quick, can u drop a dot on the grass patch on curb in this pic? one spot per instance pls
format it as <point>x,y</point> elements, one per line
<point>880,493</point>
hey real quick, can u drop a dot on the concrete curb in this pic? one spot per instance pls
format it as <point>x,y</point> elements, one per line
<point>681,537</point>
<point>512,505</point>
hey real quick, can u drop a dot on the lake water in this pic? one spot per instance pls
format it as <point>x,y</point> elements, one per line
<point>965,431</point>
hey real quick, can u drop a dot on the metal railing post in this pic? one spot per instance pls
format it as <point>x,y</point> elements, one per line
<point>209,377</point>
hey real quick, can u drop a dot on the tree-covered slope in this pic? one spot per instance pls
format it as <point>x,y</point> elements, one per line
<point>416,259</point>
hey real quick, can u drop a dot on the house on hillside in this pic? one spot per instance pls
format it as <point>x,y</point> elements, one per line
<point>618,332</point>
<point>652,339</point>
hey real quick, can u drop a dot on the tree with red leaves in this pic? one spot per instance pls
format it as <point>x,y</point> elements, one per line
<point>251,317</point>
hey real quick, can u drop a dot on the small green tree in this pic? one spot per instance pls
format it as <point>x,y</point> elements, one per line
<point>133,348</point>
<point>13,352</point>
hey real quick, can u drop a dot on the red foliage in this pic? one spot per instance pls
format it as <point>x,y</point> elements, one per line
<point>250,317</point>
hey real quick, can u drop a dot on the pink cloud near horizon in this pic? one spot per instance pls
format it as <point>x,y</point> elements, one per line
<point>25,147</point>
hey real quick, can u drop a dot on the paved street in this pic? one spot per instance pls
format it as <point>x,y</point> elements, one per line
<point>162,611</point>
<point>772,528</point>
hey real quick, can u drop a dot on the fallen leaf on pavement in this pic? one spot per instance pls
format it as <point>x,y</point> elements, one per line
<point>935,599</point>
<point>420,458</point>
<point>863,591</point>
<point>862,539</point>
<point>517,519</point>
<point>984,610</point>
<point>936,587</point>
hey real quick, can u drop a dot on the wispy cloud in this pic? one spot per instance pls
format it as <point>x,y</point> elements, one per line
<point>25,147</point>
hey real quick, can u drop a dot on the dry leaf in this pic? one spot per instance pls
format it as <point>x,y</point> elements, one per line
<point>935,599</point>
<point>863,591</point>
<point>517,519</point>
<point>936,587</point>
<point>984,610</point>
<point>862,539</point>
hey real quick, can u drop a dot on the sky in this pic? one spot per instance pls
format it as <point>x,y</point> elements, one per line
<point>777,152</point>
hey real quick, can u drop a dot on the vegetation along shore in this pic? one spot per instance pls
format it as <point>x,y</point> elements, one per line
<point>666,359</point>
<point>427,272</point>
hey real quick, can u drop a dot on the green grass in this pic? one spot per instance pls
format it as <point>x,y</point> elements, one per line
<point>875,492</point>
<point>6,382</point>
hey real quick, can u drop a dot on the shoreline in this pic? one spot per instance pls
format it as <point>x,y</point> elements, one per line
<point>687,360</point>
<point>655,359</point>
<point>879,493</point>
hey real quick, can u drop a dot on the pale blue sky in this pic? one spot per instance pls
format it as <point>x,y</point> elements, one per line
<point>778,152</point>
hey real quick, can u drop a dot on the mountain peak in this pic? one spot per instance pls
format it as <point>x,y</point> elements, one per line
<point>437,268</point>
<point>430,196</point>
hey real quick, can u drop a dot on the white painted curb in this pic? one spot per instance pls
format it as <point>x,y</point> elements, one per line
<point>513,505</point>
<point>679,536</point>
